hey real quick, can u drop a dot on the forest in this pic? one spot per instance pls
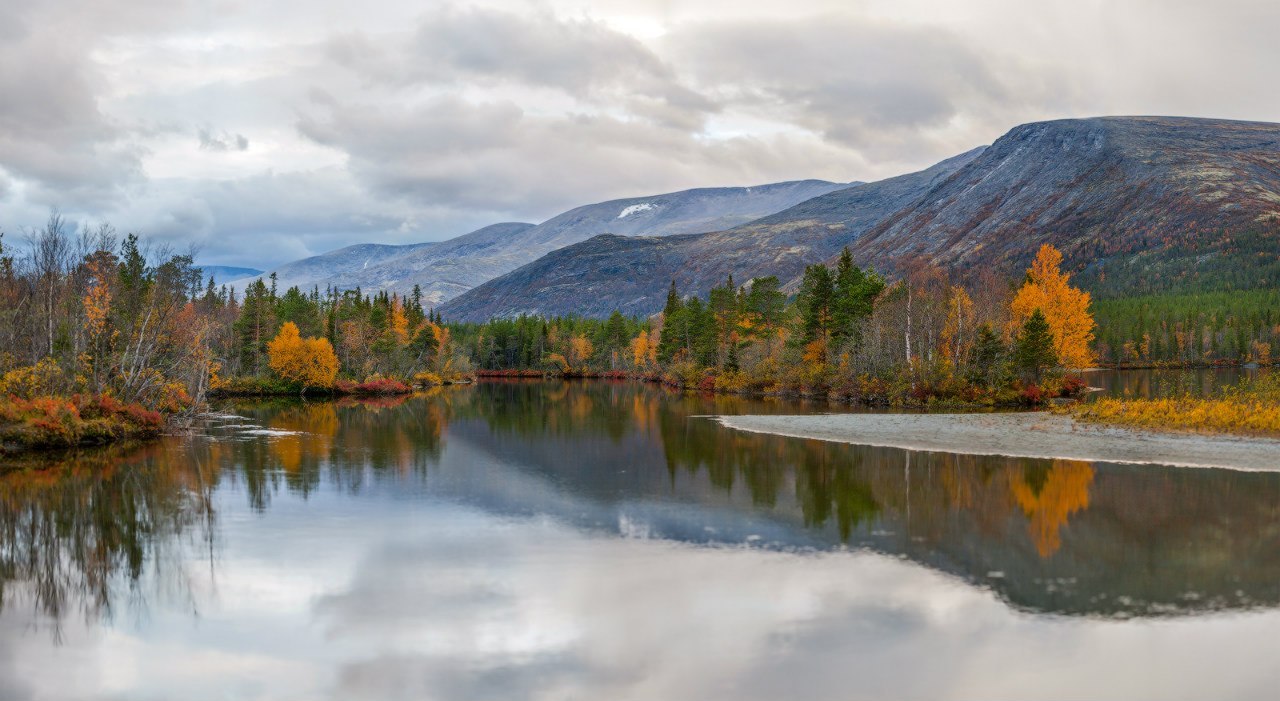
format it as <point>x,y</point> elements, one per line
<point>104,337</point>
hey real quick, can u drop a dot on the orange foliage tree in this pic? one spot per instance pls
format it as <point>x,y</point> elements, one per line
<point>310,362</point>
<point>1066,308</point>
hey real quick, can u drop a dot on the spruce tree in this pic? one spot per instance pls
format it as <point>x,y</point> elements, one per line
<point>670,342</point>
<point>985,357</point>
<point>814,301</point>
<point>1033,351</point>
<point>766,301</point>
<point>854,299</point>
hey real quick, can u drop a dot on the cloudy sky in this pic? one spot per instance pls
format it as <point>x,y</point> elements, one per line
<point>267,130</point>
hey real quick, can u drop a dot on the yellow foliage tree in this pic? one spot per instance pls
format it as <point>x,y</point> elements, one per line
<point>399,323</point>
<point>959,327</point>
<point>580,351</point>
<point>640,350</point>
<point>310,362</point>
<point>1066,308</point>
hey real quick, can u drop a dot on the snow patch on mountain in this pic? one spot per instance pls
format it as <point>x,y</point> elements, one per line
<point>636,209</point>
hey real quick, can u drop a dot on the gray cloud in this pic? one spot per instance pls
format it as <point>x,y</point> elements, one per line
<point>412,123</point>
<point>875,87</point>
<point>52,132</point>
<point>221,141</point>
<point>581,58</point>
<point>498,155</point>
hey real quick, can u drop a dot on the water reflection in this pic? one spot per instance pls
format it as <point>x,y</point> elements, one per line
<point>1154,382</point>
<point>598,539</point>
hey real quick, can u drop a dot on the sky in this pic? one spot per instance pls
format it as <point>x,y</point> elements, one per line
<point>261,131</point>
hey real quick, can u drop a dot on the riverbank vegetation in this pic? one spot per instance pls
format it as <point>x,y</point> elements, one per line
<point>111,332</point>
<point>104,338</point>
<point>1250,408</point>
<point>845,334</point>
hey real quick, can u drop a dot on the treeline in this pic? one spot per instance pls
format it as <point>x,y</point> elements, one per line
<point>90,314</point>
<point>1204,328</point>
<point>845,332</point>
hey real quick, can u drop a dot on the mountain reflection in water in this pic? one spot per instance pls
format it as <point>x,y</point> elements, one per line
<point>504,521</point>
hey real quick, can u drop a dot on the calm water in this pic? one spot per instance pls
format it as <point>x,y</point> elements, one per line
<point>1202,382</point>
<point>603,541</point>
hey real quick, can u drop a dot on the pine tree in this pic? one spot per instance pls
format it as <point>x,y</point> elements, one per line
<point>985,357</point>
<point>256,325</point>
<point>854,299</point>
<point>1033,351</point>
<point>814,300</point>
<point>766,303</point>
<point>615,334</point>
<point>671,342</point>
<point>731,358</point>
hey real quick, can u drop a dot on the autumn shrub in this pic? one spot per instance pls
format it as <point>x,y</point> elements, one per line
<point>253,387</point>
<point>427,378</point>
<point>683,373</point>
<point>50,422</point>
<point>1032,395</point>
<point>732,381</point>
<point>45,378</point>
<point>1072,386</point>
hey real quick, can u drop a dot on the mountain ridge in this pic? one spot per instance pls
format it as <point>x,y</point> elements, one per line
<point>1135,203</point>
<point>444,269</point>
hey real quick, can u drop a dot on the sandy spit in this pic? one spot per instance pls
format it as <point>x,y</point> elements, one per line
<point>1023,435</point>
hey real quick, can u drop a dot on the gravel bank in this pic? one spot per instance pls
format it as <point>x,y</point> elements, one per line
<point>1026,435</point>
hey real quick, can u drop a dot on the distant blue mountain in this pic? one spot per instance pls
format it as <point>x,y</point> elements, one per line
<point>226,273</point>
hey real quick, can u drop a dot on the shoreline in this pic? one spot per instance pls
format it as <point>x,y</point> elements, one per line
<point>1021,435</point>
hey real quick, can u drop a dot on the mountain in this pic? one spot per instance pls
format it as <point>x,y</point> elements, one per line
<point>1152,202</point>
<point>1137,204</point>
<point>320,270</point>
<point>632,273</point>
<point>447,268</point>
<point>226,273</point>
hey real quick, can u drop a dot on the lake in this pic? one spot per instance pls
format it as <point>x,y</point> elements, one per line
<point>600,540</point>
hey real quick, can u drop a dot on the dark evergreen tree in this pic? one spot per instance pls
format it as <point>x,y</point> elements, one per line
<point>671,341</point>
<point>814,300</point>
<point>1033,351</point>
<point>985,357</point>
<point>766,301</point>
<point>853,300</point>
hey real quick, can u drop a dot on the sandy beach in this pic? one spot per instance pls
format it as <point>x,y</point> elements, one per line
<point>1028,435</point>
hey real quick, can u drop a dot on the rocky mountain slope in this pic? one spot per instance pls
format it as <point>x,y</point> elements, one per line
<point>1135,203</point>
<point>448,268</point>
<point>1114,194</point>
<point>632,273</point>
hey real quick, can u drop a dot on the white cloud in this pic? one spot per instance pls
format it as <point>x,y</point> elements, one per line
<point>444,117</point>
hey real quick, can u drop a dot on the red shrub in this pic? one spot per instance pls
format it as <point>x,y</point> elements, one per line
<point>1032,395</point>
<point>1072,385</point>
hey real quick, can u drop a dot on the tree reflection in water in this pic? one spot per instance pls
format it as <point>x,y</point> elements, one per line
<point>1066,537</point>
<point>74,527</point>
